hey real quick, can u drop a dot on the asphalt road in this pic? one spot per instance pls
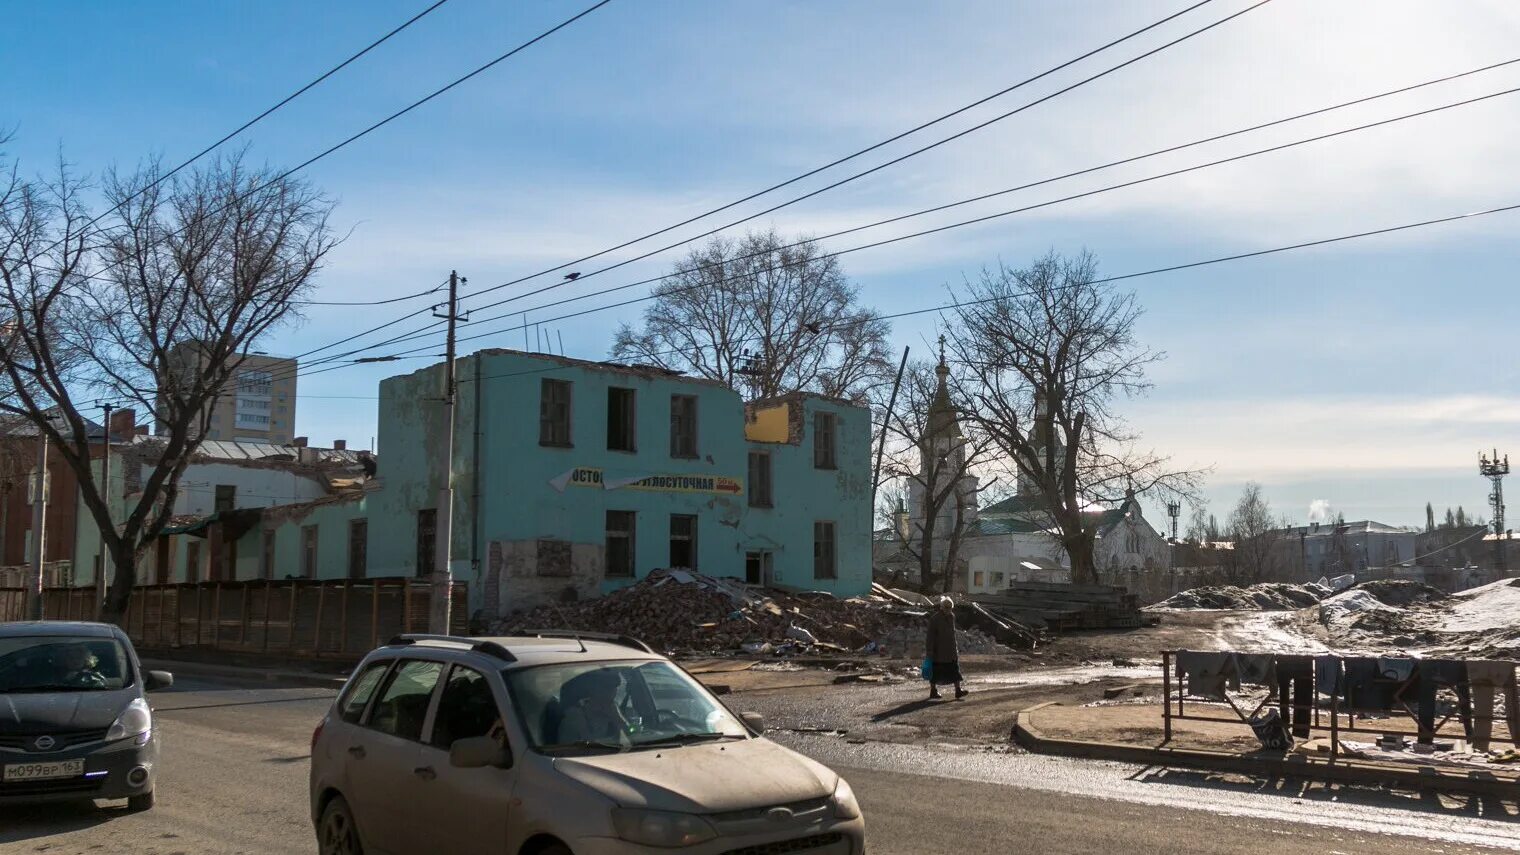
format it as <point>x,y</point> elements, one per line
<point>234,781</point>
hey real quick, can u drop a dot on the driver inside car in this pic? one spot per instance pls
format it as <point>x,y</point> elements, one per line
<point>596,717</point>
<point>78,665</point>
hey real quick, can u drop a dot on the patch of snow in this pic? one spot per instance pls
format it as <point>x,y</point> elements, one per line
<point>1495,606</point>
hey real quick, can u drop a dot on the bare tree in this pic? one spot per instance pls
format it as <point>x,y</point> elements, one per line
<point>1260,541</point>
<point>764,317</point>
<point>155,304</point>
<point>1050,352</point>
<point>935,453</point>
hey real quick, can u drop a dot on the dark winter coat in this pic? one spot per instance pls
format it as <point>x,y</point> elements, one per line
<point>939,644</point>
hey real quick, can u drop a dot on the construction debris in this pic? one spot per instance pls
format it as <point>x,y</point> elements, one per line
<point>1267,596</point>
<point>678,611</point>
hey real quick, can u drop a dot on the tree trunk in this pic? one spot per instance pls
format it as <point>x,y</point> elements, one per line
<point>124,576</point>
<point>1084,568</point>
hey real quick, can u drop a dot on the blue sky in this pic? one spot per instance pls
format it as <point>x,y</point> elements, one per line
<point>1366,375</point>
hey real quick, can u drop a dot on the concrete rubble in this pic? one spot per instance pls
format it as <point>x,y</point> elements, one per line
<point>683,612</point>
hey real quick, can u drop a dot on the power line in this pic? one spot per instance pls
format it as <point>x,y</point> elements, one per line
<point>879,167</point>
<point>976,220</point>
<point>251,122</point>
<point>1119,278</point>
<point>407,109</point>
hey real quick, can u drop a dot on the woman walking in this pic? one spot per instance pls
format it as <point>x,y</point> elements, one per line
<point>939,649</point>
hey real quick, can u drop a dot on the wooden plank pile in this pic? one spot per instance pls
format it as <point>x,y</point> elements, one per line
<point>1059,607</point>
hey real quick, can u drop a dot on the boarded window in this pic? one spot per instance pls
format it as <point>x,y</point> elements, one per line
<point>620,405</point>
<point>226,497</point>
<point>358,548</point>
<point>823,441</point>
<point>825,564</point>
<point>976,578</point>
<point>759,479</point>
<point>193,561</point>
<point>427,539</point>
<point>683,426</point>
<point>554,558</point>
<point>554,413</point>
<point>266,556</point>
<point>683,541</point>
<point>308,551</point>
<point>620,544</point>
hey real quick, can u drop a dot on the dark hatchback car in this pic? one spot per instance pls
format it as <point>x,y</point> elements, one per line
<point>74,721</point>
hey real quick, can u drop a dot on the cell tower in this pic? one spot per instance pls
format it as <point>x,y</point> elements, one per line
<point>1494,469</point>
<point>1174,510</point>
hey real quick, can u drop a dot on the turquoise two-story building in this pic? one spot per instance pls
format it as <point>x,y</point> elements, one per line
<point>572,478</point>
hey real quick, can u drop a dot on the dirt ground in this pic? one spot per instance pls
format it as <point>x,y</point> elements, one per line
<point>884,699</point>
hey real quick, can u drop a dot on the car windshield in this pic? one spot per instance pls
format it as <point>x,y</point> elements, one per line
<point>616,706</point>
<point>55,663</point>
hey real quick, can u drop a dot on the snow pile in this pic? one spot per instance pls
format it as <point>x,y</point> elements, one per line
<point>1490,607</point>
<point>1347,608</point>
<point>1267,596</point>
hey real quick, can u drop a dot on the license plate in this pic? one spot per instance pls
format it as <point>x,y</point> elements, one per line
<point>44,771</point>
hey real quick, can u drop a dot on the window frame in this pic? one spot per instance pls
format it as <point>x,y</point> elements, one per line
<point>436,706</point>
<point>311,538</point>
<point>690,539</point>
<point>825,453</point>
<point>678,451</point>
<point>630,534</point>
<point>352,686</point>
<point>547,434</point>
<point>268,548</point>
<point>627,414</point>
<point>833,541</point>
<point>397,664</point>
<point>426,559</point>
<point>768,500</point>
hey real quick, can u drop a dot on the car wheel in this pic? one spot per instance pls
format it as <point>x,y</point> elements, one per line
<point>138,804</point>
<point>336,833</point>
<point>554,849</point>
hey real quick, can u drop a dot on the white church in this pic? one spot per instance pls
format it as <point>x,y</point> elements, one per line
<point>1010,540</point>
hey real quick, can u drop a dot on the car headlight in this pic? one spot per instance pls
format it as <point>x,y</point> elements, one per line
<point>135,720</point>
<point>661,828</point>
<point>843,801</point>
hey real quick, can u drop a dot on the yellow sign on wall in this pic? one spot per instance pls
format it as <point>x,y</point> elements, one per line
<point>586,476</point>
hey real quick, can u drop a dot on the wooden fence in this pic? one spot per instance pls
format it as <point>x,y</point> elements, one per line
<point>326,618</point>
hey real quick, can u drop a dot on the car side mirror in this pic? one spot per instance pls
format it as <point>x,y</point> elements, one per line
<point>754,720</point>
<point>155,680</point>
<point>477,752</point>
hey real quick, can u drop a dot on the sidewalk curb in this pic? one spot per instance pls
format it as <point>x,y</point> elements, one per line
<point>1027,736</point>
<point>244,674</point>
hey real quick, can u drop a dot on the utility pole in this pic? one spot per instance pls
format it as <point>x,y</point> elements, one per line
<point>443,576</point>
<point>1494,470</point>
<point>881,445</point>
<point>105,490</point>
<point>39,535</point>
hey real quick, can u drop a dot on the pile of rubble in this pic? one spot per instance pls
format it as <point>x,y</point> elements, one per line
<point>1267,596</point>
<point>1418,619</point>
<point>678,611</point>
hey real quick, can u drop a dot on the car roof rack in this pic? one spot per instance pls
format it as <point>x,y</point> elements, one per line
<point>609,637</point>
<point>490,648</point>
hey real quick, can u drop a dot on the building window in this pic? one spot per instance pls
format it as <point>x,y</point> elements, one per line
<point>825,563</point>
<point>254,382</point>
<point>554,413</point>
<point>683,541</point>
<point>683,426</point>
<point>759,479</point>
<point>620,544</point>
<point>308,552</point>
<point>823,441</point>
<point>554,558</point>
<point>358,548</point>
<point>226,497</point>
<point>620,404</point>
<point>266,556</point>
<point>977,579</point>
<point>427,539</point>
<point>193,561</point>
